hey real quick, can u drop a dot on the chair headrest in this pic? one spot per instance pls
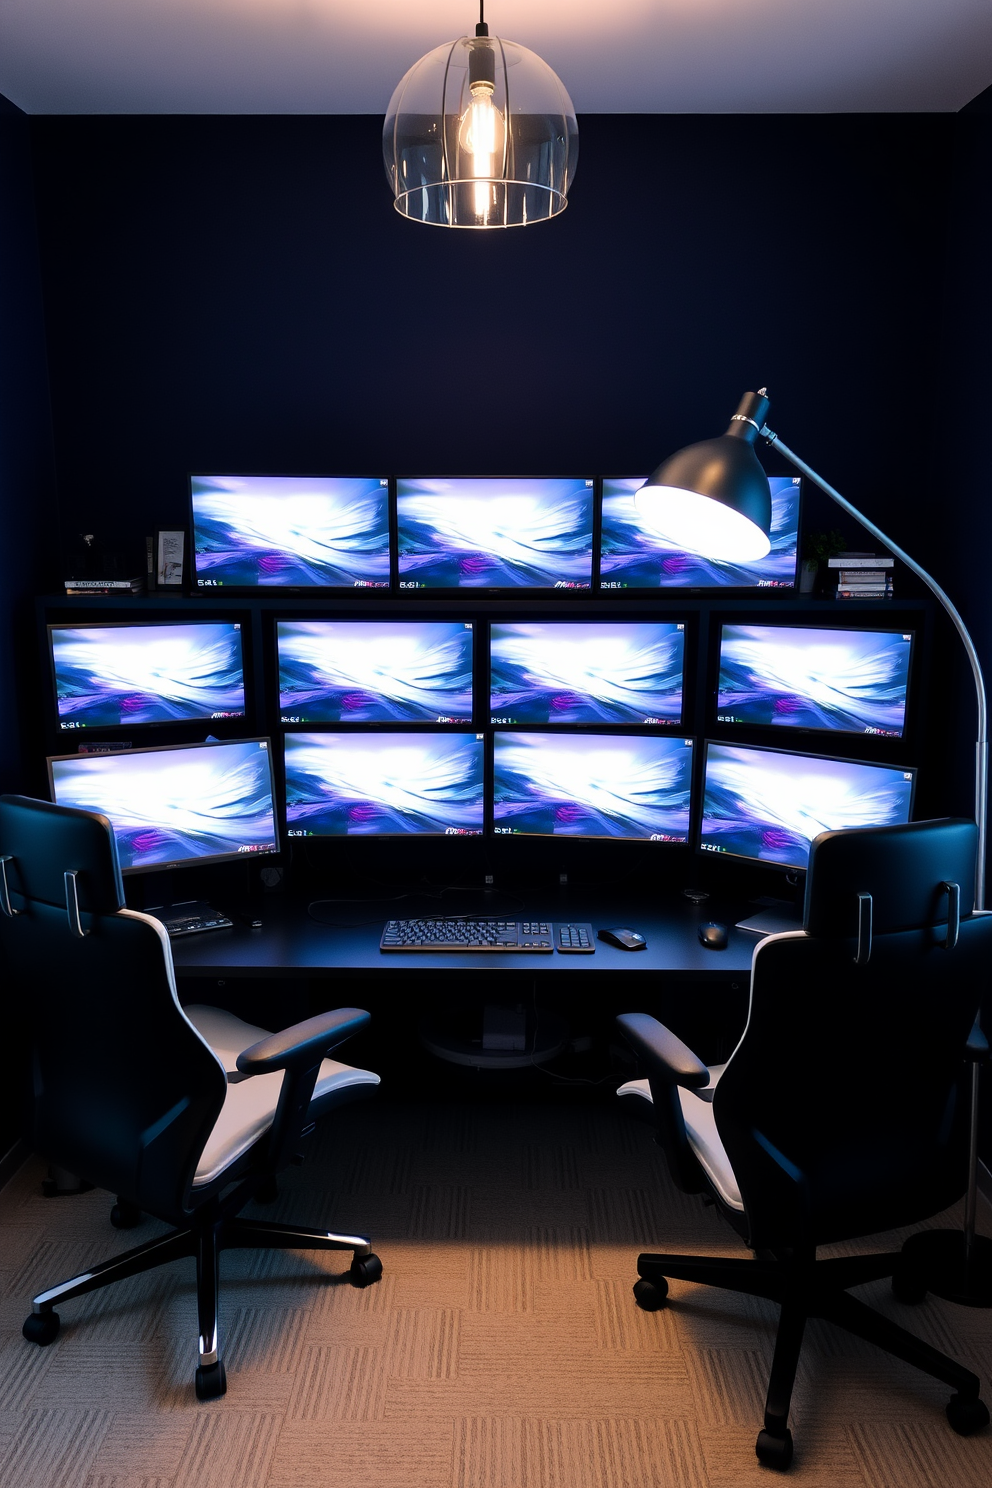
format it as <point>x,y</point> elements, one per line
<point>45,841</point>
<point>903,868</point>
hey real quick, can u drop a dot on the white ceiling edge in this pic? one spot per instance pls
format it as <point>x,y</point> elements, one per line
<point>624,56</point>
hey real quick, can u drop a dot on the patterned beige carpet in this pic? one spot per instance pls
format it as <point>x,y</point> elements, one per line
<point>502,1348</point>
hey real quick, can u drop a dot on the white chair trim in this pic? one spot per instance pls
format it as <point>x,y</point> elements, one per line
<point>250,1105</point>
<point>700,1128</point>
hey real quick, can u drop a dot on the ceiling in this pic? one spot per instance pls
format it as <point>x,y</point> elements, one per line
<point>615,56</point>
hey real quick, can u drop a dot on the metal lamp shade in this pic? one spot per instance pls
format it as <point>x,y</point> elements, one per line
<point>500,153</point>
<point>713,497</point>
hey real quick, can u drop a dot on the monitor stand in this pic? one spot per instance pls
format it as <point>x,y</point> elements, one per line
<point>773,921</point>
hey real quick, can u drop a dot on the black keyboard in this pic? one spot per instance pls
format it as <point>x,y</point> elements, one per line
<point>541,936</point>
<point>190,918</point>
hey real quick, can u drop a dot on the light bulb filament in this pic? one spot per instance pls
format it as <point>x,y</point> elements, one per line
<point>481,136</point>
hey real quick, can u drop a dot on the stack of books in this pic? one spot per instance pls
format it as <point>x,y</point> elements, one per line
<point>105,586</point>
<point>863,575</point>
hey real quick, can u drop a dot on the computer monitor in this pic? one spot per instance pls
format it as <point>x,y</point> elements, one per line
<point>586,672</point>
<point>130,674</point>
<point>635,553</point>
<point>388,784</point>
<point>633,787</point>
<point>375,671</point>
<point>177,805</point>
<point>495,533</point>
<point>290,532</point>
<point>769,804</point>
<point>789,676</point>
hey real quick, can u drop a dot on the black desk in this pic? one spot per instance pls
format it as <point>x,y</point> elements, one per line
<point>293,966</point>
<point>291,943</point>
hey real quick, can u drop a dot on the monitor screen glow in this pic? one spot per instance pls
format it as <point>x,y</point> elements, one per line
<point>586,672</point>
<point>768,805</point>
<point>633,555</point>
<point>848,681</point>
<point>177,806</point>
<point>366,671</point>
<point>107,676</point>
<point>287,531</point>
<point>370,785</point>
<point>592,785</point>
<point>502,533</point>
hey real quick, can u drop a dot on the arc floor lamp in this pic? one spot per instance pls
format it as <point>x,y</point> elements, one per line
<point>713,498</point>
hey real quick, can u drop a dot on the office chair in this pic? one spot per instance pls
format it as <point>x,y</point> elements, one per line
<point>186,1114</point>
<point>843,1110</point>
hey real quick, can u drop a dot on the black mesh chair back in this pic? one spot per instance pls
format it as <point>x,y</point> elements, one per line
<point>843,1108</point>
<point>94,986</point>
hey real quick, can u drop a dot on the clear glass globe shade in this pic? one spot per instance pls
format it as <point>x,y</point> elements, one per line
<point>436,123</point>
<point>698,524</point>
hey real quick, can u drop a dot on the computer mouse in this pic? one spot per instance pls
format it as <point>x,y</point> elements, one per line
<point>713,936</point>
<point>627,940</point>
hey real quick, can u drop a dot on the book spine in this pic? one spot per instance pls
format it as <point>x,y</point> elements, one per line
<point>878,560</point>
<point>103,584</point>
<point>852,583</point>
<point>101,590</point>
<point>864,593</point>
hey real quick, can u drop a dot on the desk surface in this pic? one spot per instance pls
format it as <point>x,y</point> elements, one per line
<point>291,942</point>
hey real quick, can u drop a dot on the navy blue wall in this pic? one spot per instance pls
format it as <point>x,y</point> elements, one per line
<point>26,478</point>
<point>237,293</point>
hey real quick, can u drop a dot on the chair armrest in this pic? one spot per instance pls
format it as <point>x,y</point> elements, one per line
<point>304,1044</point>
<point>664,1054</point>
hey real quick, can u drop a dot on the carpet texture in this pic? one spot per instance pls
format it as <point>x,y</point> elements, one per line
<point>502,1349</point>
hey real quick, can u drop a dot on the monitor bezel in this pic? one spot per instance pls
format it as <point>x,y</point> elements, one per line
<point>689,741</point>
<point>474,624</point>
<point>639,591</point>
<point>412,731</point>
<point>196,590</point>
<point>676,726</point>
<point>90,732</point>
<point>502,591</point>
<point>712,854</point>
<point>829,733</point>
<point>207,860</point>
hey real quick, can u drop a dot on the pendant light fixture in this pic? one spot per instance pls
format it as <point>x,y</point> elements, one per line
<point>480,133</point>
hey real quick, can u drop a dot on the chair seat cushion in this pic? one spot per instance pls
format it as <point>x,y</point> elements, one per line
<point>700,1128</point>
<point>250,1105</point>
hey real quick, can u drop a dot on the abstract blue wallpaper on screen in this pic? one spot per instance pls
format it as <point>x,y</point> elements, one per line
<point>365,785</point>
<point>368,671</point>
<point>586,673</point>
<point>173,804</point>
<point>766,804</point>
<point>252,531</point>
<point>508,533</point>
<point>852,681</point>
<point>634,554</point>
<point>131,674</point>
<point>586,785</point>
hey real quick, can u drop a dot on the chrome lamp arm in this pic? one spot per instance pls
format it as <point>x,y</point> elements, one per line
<point>982,742</point>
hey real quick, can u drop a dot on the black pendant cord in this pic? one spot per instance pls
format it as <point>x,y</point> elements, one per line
<point>482,29</point>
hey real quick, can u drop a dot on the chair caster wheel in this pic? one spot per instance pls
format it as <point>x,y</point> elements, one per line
<point>41,1327</point>
<point>365,1270</point>
<point>774,1451</point>
<point>124,1216</point>
<point>967,1415</point>
<point>211,1381</point>
<point>650,1295</point>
